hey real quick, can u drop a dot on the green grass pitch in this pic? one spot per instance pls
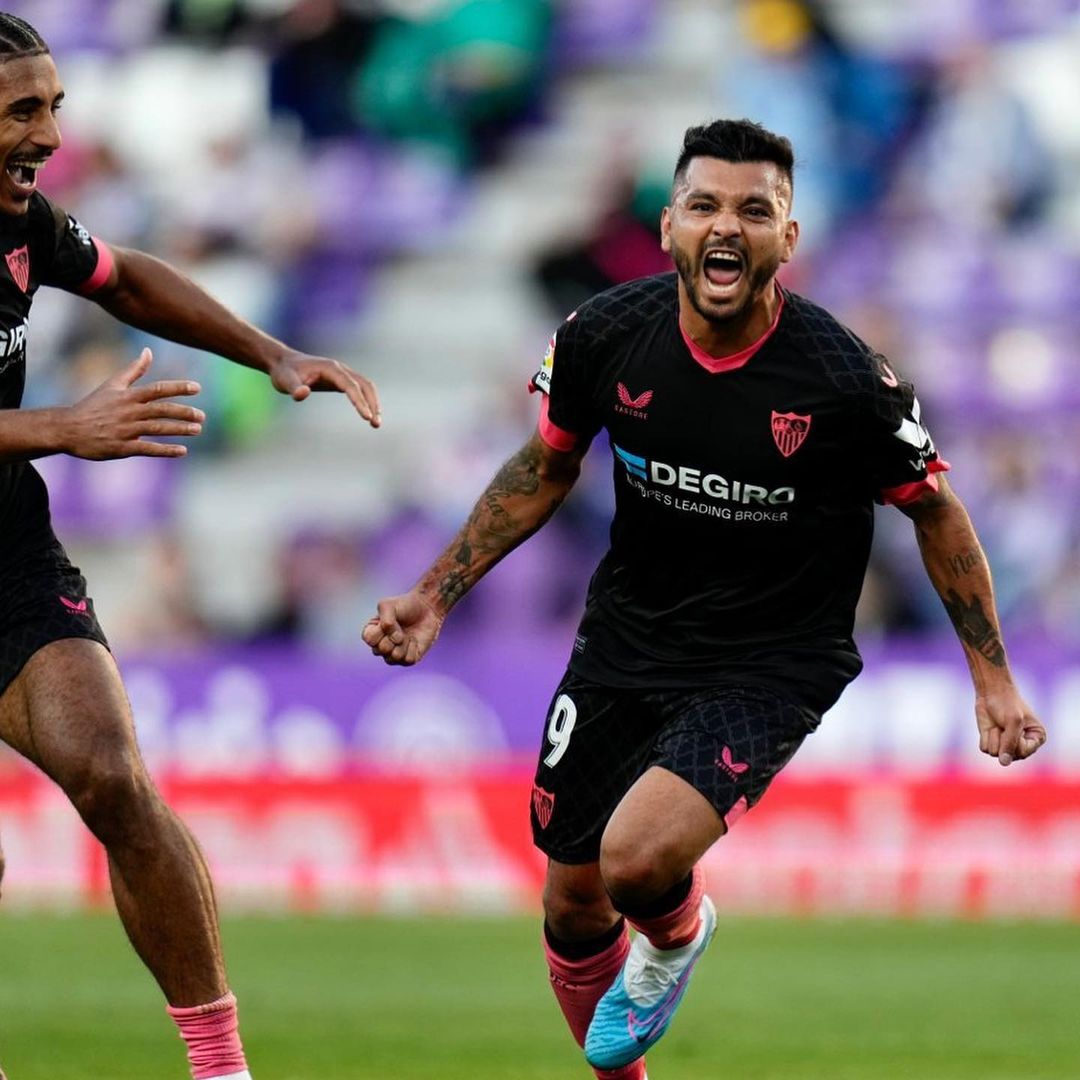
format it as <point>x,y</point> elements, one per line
<point>467,999</point>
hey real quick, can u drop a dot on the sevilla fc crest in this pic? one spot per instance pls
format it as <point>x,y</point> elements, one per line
<point>789,431</point>
<point>543,804</point>
<point>18,262</point>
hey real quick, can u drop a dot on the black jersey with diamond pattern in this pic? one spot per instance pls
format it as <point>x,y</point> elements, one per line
<point>744,497</point>
<point>44,246</point>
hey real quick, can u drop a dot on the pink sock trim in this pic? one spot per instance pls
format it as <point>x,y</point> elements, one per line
<point>580,984</point>
<point>212,1034</point>
<point>634,1071</point>
<point>678,927</point>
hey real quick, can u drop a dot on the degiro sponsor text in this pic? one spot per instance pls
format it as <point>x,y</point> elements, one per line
<point>694,481</point>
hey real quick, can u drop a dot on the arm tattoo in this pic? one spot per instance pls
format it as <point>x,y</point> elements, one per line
<point>505,515</point>
<point>974,628</point>
<point>491,523</point>
<point>965,562</point>
<point>452,587</point>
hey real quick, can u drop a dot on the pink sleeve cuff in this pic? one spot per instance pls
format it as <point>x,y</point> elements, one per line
<point>553,435</point>
<point>101,271</point>
<point>906,494</point>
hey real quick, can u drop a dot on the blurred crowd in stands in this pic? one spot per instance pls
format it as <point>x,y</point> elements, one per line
<point>938,187</point>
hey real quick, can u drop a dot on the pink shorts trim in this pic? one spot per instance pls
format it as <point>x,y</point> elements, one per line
<point>736,812</point>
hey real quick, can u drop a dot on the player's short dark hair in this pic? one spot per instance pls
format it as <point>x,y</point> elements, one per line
<point>737,141</point>
<point>18,38</point>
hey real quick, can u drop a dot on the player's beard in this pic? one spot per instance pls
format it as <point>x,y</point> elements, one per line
<point>691,272</point>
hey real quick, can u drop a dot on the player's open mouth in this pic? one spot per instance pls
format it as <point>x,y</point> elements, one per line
<point>23,173</point>
<point>723,268</point>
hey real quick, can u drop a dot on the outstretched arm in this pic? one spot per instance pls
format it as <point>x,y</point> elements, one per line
<point>521,497</point>
<point>957,567</point>
<point>152,295</point>
<point>117,420</point>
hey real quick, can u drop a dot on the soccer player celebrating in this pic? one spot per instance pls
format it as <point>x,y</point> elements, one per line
<point>751,434</point>
<point>63,706</point>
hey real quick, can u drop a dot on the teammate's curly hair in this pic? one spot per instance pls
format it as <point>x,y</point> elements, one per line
<point>18,38</point>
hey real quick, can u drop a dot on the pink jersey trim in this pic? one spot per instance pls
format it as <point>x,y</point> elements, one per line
<point>716,365</point>
<point>101,272</point>
<point>553,435</point>
<point>906,494</point>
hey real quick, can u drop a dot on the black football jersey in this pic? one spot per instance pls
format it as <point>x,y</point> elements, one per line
<point>44,246</point>
<point>744,490</point>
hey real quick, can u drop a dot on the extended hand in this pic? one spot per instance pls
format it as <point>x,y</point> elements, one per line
<point>297,375</point>
<point>1008,730</point>
<point>114,420</point>
<point>403,631</point>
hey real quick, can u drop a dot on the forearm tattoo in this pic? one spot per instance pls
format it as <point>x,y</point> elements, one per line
<point>501,519</point>
<point>964,562</point>
<point>452,587</point>
<point>974,627</point>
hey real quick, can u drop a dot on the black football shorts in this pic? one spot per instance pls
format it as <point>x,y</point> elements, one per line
<point>42,599</point>
<point>728,742</point>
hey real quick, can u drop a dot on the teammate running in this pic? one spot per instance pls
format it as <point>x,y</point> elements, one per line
<point>63,706</point>
<point>751,435</point>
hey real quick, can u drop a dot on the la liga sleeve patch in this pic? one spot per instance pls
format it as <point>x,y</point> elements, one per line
<point>542,379</point>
